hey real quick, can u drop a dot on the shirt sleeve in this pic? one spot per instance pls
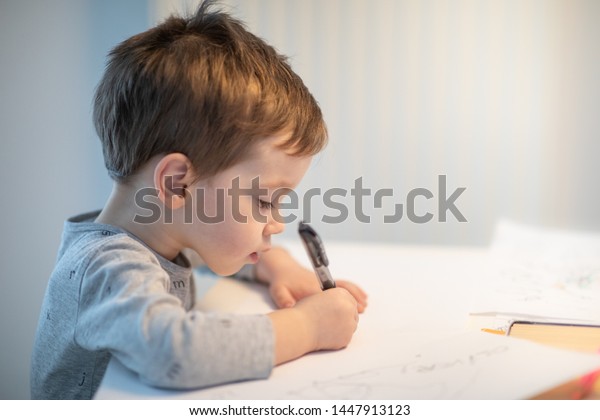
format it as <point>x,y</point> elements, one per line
<point>124,307</point>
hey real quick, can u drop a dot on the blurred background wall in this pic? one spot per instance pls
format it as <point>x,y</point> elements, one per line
<point>501,97</point>
<point>52,56</point>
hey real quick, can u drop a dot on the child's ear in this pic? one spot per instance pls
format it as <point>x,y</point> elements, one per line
<point>172,175</point>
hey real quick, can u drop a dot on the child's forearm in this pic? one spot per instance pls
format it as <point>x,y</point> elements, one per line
<point>273,263</point>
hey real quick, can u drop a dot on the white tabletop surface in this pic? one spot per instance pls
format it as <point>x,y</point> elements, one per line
<point>413,291</point>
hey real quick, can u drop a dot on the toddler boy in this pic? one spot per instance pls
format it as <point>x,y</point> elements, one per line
<point>188,112</point>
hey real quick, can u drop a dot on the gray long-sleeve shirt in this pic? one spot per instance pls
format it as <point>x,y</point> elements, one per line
<point>111,295</point>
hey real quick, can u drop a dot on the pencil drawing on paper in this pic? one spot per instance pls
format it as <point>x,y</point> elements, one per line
<point>419,378</point>
<point>565,288</point>
<point>545,272</point>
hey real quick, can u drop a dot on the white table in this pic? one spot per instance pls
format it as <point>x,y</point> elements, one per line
<point>414,292</point>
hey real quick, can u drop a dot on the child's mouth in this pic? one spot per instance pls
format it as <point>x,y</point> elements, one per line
<point>254,257</point>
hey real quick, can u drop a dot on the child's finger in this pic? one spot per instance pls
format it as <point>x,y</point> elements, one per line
<point>282,296</point>
<point>356,292</point>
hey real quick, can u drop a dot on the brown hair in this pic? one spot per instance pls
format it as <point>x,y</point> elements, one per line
<point>203,86</point>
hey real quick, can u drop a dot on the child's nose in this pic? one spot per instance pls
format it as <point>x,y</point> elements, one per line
<point>274,227</point>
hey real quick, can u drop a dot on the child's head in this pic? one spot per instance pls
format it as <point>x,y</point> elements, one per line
<point>204,87</point>
<point>202,103</point>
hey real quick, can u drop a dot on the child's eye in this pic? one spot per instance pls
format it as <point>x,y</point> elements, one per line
<point>265,204</point>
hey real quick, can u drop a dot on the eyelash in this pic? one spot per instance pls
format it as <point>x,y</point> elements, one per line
<point>265,204</point>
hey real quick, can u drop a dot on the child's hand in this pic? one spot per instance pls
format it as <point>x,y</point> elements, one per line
<point>322,321</point>
<point>332,317</point>
<point>289,281</point>
<point>300,282</point>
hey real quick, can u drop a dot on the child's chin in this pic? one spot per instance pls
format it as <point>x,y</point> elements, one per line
<point>226,271</point>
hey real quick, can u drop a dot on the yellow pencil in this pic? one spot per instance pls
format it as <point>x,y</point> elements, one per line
<point>491,331</point>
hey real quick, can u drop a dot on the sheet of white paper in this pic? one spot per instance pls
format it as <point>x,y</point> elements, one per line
<point>542,272</point>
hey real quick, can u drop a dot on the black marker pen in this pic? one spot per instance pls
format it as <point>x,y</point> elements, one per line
<point>316,251</point>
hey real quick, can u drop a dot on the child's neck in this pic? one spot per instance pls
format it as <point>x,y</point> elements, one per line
<point>120,211</point>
